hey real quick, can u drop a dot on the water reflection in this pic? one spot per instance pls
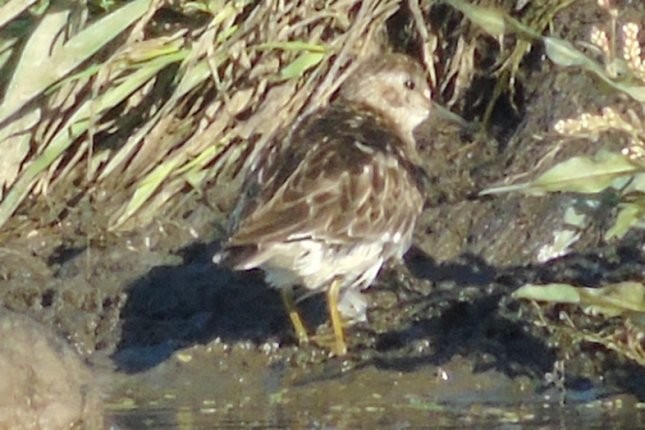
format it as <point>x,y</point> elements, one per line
<point>413,415</point>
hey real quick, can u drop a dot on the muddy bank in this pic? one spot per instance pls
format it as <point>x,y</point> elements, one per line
<point>186,341</point>
<point>181,342</point>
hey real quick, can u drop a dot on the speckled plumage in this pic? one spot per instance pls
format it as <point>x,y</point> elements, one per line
<point>340,195</point>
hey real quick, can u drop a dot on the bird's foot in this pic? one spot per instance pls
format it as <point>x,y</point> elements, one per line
<point>325,338</point>
<point>294,316</point>
<point>339,346</point>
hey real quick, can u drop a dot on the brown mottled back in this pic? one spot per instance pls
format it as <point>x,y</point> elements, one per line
<point>344,177</point>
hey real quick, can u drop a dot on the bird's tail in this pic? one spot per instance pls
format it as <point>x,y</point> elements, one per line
<point>240,257</point>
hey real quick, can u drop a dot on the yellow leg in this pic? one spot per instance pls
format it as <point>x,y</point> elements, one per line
<point>340,348</point>
<point>296,321</point>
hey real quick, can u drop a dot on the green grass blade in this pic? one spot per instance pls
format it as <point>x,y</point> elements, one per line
<point>74,127</point>
<point>146,188</point>
<point>28,85</point>
<point>12,9</point>
<point>300,65</point>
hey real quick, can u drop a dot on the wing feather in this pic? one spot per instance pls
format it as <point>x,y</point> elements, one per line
<point>338,184</point>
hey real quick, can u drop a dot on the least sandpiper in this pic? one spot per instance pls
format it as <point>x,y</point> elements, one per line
<point>326,206</point>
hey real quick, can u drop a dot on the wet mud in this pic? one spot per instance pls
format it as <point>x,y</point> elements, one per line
<point>172,341</point>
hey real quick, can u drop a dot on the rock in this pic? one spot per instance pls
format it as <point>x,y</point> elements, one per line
<point>43,383</point>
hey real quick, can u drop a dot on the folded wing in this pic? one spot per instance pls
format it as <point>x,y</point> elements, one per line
<point>334,187</point>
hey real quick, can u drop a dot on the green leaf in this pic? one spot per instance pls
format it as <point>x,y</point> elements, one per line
<point>304,62</point>
<point>145,189</point>
<point>73,128</point>
<point>614,299</point>
<point>610,300</point>
<point>489,19</point>
<point>585,174</point>
<point>295,45</point>
<point>578,174</point>
<point>630,215</point>
<point>12,9</point>
<point>26,85</point>
<point>555,293</point>
<point>563,53</point>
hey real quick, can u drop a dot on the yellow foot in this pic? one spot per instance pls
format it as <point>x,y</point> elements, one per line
<point>340,347</point>
<point>326,339</point>
<point>337,344</point>
<point>294,316</point>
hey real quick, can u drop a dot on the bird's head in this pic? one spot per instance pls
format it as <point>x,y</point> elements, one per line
<point>393,85</point>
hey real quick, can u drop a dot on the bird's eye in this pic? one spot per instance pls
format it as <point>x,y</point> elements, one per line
<point>409,84</point>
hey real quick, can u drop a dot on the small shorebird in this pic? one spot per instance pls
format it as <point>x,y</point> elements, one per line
<point>325,207</point>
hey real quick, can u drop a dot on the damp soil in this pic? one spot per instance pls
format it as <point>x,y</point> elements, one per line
<point>173,341</point>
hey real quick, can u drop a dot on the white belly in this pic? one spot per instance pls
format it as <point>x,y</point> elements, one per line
<point>313,265</point>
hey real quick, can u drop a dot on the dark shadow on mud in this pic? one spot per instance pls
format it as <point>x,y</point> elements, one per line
<point>475,325</point>
<point>462,317</point>
<point>174,307</point>
<point>464,313</point>
<point>470,329</point>
<point>468,269</point>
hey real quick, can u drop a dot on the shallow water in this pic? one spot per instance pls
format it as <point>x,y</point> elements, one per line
<point>213,386</point>
<point>415,415</point>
